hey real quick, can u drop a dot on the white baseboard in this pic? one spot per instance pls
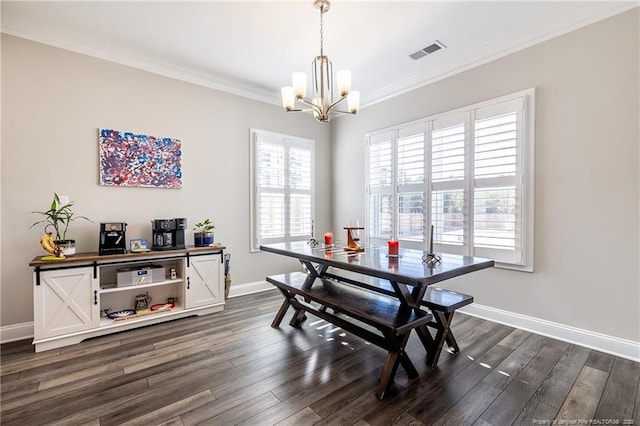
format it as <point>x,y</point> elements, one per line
<point>15,332</point>
<point>601,342</point>
<point>249,288</point>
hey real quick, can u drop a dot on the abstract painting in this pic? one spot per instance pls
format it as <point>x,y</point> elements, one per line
<point>129,159</point>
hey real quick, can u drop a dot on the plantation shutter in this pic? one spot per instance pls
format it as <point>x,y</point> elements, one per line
<point>448,184</point>
<point>283,197</point>
<point>410,184</point>
<point>380,186</point>
<point>300,189</point>
<point>497,209</point>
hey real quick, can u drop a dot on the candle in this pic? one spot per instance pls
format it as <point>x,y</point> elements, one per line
<point>431,241</point>
<point>328,239</point>
<point>393,247</point>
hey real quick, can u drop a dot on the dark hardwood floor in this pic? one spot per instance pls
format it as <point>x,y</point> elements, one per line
<point>233,368</point>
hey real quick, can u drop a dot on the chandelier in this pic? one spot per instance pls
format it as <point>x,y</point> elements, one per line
<point>322,103</point>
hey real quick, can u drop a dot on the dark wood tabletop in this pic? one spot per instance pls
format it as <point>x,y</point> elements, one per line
<point>408,268</point>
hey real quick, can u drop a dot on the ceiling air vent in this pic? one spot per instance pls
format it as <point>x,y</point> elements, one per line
<point>433,47</point>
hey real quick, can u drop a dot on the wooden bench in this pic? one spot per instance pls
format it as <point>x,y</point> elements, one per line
<point>383,313</point>
<point>442,303</point>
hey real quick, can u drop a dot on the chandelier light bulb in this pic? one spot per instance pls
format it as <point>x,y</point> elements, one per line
<point>288,98</point>
<point>353,101</point>
<point>344,82</point>
<point>299,82</point>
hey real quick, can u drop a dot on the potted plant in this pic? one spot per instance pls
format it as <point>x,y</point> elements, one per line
<point>59,216</point>
<point>203,236</point>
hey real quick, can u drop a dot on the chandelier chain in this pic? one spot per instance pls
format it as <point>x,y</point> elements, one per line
<point>321,31</point>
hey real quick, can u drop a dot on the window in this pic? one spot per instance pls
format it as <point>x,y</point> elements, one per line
<point>282,200</point>
<point>468,173</point>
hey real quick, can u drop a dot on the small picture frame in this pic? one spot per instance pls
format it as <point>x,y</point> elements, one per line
<point>139,246</point>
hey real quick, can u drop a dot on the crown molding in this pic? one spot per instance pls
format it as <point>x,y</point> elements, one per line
<point>155,66</point>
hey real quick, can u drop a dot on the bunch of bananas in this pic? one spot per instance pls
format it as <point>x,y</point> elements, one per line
<point>46,241</point>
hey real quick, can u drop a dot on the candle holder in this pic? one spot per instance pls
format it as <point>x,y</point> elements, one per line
<point>431,259</point>
<point>352,244</point>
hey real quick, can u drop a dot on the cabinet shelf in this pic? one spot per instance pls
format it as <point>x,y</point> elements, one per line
<point>107,322</point>
<point>112,288</point>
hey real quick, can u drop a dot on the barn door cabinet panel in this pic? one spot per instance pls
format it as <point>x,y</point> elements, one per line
<point>72,296</point>
<point>66,301</point>
<point>205,281</point>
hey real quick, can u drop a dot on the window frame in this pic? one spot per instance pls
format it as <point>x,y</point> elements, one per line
<point>287,141</point>
<point>524,178</point>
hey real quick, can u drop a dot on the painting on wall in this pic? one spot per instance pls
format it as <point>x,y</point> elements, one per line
<point>129,159</point>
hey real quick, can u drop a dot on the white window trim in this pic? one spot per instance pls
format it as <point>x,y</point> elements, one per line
<point>526,175</point>
<point>254,245</point>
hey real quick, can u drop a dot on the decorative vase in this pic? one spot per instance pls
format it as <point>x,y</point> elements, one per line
<point>68,247</point>
<point>203,239</point>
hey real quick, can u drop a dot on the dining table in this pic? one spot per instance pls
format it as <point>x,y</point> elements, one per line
<point>368,275</point>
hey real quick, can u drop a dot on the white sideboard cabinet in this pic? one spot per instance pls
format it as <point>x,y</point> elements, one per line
<point>73,297</point>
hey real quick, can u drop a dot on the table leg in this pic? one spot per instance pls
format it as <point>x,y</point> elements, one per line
<point>443,335</point>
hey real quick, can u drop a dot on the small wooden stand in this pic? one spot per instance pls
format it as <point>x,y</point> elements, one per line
<point>352,244</point>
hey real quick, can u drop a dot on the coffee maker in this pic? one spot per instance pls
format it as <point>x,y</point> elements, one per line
<point>112,238</point>
<point>168,234</point>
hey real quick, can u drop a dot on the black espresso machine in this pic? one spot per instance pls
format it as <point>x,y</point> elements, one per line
<point>112,238</point>
<point>168,234</point>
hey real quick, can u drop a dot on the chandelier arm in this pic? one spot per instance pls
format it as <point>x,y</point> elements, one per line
<point>312,105</point>
<point>336,102</point>
<point>343,112</point>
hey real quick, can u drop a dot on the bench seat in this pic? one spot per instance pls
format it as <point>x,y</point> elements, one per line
<point>382,312</point>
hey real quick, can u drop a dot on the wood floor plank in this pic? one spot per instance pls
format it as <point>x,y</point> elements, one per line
<point>349,380</point>
<point>618,399</point>
<point>636,412</point>
<point>506,408</point>
<point>558,383</point>
<point>304,417</point>
<point>240,412</point>
<point>176,409</point>
<point>536,412</point>
<point>468,409</point>
<point>71,412</point>
<point>407,420</point>
<point>232,367</point>
<point>508,369</point>
<point>582,401</point>
<point>600,361</point>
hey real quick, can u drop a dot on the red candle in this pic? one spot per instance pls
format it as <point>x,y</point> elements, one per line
<point>393,247</point>
<point>328,239</point>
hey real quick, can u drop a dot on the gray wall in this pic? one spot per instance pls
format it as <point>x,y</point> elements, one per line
<point>53,102</point>
<point>587,182</point>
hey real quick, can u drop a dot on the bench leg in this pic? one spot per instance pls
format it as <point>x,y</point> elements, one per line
<point>390,367</point>
<point>298,315</point>
<point>297,318</point>
<point>281,313</point>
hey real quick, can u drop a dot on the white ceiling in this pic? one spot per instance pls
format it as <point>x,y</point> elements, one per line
<point>251,48</point>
